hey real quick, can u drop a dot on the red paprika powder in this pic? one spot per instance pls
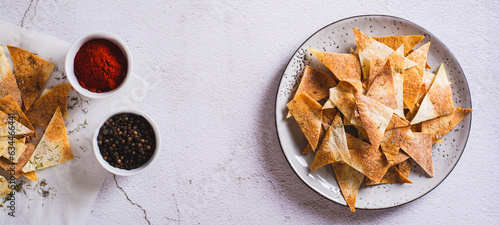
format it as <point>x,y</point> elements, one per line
<point>100,65</point>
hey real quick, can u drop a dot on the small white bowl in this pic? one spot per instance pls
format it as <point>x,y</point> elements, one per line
<point>70,60</point>
<point>124,172</point>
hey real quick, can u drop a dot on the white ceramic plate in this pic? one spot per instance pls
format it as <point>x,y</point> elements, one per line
<point>338,37</point>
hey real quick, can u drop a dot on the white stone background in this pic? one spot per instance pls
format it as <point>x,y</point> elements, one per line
<point>214,68</point>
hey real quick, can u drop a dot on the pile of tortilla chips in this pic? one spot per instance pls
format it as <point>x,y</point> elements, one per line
<point>21,109</point>
<point>396,110</point>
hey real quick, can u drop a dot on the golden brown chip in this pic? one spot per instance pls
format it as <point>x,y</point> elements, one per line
<point>342,97</point>
<point>11,127</point>
<point>398,66</point>
<point>393,176</point>
<point>349,180</point>
<point>375,117</point>
<point>438,101</point>
<point>413,77</point>
<point>31,73</point>
<point>392,141</point>
<point>376,67</point>
<point>9,106</point>
<point>405,167</point>
<point>8,84</point>
<point>353,142</point>
<point>394,42</point>
<point>382,88</point>
<point>54,147</point>
<point>7,165</point>
<point>308,114</point>
<point>397,122</point>
<point>4,187</point>
<point>328,115</point>
<point>345,67</point>
<point>334,145</point>
<point>370,161</point>
<point>31,175</point>
<point>12,148</point>
<point>419,147</point>
<point>42,109</point>
<point>438,127</point>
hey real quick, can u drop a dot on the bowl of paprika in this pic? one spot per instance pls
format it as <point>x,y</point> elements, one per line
<point>98,64</point>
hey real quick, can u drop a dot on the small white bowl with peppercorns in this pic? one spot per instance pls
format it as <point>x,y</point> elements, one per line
<point>126,142</point>
<point>98,64</point>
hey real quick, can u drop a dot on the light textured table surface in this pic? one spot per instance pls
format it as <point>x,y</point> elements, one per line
<point>213,68</point>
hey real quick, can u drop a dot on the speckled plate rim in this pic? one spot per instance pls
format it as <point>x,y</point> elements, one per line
<point>281,81</point>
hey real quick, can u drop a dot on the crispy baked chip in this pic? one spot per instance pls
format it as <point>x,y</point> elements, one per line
<point>7,165</point>
<point>9,106</point>
<point>370,161</point>
<point>31,175</point>
<point>42,109</point>
<point>18,148</point>
<point>397,122</point>
<point>413,77</point>
<point>376,67</point>
<point>349,180</point>
<point>438,127</point>
<point>327,118</point>
<point>368,47</point>
<point>308,114</point>
<point>8,84</point>
<point>393,176</point>
<point>375,117</point>
<point>345,67</point>
<point>334,145</point>
<point>394,42</point>
<point>419,147</point>
<point>405,167</point>
<point>382,88</point>
<point>353,142</point>
<point>438,101</point>
<point>342,97</point>
<point>31,73</point>
<point>8,122</point>
<point>397,65</point>
<point>392,141</point>
<point>54,147</point>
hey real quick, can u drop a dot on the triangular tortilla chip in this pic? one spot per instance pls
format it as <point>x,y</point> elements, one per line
<point>31,73</point>
<point>4,187</point>
<point>438,101</point>
<point>370,161</point>
<point>334,145</point>
<point>53,148</point>
<point>375,117</point>
<point>13,154</point>
<point>368,47</point>
<point>8,122</point>
<point>413,76</point>
<point>394,42</point>
<point>8,105</point>
<point>42,109</point>
<point>438,127</point>
<point>342,97</point>
<point>353,142</point>
<point>419,147</point>
<point>397,122</point>
<point>8,84</point>
<point>392,141</point>
<point>397,65</point>
<point>426,85</point>
<point>349,180</point>
<point>327,118</point>
<point>316,83</point>
<point>7,165</point>
<point>393,176</point>
<point>405,167</point>
<point>308,114</point>
<point>376,68</point>
<point>344,66</point>
<point>31,175</point>
<point>382,88</point>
